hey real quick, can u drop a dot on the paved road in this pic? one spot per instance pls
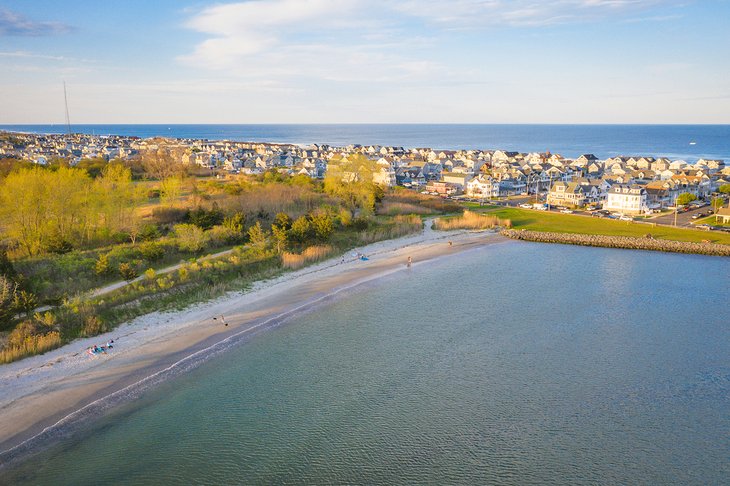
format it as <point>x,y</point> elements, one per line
<point>684,220</point>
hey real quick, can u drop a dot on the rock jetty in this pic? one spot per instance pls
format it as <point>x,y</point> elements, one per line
<point>646,243</point>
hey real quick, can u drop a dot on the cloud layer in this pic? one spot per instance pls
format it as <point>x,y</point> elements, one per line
<point>13,24</point>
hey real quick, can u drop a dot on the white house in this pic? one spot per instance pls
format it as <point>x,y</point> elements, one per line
<point>626,199</point>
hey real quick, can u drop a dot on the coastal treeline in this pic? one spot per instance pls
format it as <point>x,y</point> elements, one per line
<point>66,231</point>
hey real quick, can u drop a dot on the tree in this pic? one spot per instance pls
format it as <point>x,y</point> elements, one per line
<point>280,237</point>
<point>282,220</point>
<point>685,198</point>
<point>322,225</point>
<point>257,237</point>
<point>6,266</point>
<point>127,272</point>
<point>170,190</point>
<point>717,203</point>
<point>8,290</point>
<point>162,160</point>
<point>725,189</point>
<point>190,238</point>
<point>301,230</point>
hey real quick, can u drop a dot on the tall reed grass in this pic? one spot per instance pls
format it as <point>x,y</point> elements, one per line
<point>309,255</point>
<point>33,344</point>
<point>470,220</point>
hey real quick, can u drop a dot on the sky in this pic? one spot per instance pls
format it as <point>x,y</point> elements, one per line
<point>365,61</point>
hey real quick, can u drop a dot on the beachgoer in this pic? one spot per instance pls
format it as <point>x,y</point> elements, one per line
<point>410,260</point>
<point>450,243</point>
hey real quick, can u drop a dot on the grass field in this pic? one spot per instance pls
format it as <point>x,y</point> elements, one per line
<point>566,223</point>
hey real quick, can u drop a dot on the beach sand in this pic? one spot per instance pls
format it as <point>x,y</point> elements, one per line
<point>42,397</point>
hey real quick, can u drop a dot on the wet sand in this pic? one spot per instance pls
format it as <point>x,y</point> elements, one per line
<point>45,397</point>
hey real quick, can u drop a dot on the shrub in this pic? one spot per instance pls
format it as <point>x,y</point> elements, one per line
<point>301,230</point>
<point>190,238</point>
<point>149,232</point>
<point>102,267</point>
<point>150,273</point>
<point>221,235</point>
<point>127,272</point>
<point>24,301</point>
<point>322,226</point>
<point>151,251</point>
<point>167,215</point>
<point>206,219</point>
<point>58,244</point>
<point>92,326</point>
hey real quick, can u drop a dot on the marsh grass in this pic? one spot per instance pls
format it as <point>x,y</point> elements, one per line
<point>470,220</point>
<point>311,254</point>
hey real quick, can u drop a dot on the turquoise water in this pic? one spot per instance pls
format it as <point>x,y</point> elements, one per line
<point>516,363</point>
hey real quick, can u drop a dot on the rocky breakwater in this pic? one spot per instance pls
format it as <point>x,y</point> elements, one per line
<point>646,243</point>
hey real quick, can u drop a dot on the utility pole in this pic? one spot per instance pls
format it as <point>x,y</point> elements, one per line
<point>65,101</point>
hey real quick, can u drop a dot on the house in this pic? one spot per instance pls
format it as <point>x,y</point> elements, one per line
<point>723,216</point>
<point>483,186</point>
<point>572,194</point>
<point>627,199</point>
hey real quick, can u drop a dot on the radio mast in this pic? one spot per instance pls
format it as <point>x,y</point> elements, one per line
<point>65,100</point>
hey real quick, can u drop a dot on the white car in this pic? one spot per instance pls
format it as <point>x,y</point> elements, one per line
<point>567,211</point>
<point>623,217</point>
<point>526,206</point>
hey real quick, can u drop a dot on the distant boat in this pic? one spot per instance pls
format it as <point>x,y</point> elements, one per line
<point>693,142</point>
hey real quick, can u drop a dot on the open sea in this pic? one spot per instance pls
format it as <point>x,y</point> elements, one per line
<point>686,142</point>
<point>516,363</point>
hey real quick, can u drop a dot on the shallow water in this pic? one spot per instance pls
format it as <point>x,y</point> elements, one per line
<point>516,363</point>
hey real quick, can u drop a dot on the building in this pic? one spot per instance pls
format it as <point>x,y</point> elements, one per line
<point>626,199</point>
<point>572,194</point>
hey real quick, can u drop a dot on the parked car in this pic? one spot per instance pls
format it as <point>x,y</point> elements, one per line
<point>526,206</point>
<point>623,217</point>
<point>567,211</point>
<point>698,215</point>
<point>598,214</point>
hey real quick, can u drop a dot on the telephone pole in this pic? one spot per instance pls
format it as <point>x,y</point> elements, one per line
<point>65,101</point>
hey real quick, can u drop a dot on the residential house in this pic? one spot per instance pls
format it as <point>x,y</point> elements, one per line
<point>627,199</point>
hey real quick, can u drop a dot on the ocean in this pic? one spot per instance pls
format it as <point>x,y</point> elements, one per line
<point>686,142</point>
<point>514,363</point>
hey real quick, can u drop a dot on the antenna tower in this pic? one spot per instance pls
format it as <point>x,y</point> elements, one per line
<point>65,100</point>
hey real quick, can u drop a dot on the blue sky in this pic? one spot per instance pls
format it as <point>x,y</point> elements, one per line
<point>369,61</point>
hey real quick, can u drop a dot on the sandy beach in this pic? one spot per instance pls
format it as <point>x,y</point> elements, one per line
<point>44,396</point>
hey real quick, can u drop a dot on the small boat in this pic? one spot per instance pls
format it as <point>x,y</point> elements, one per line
<point>693,142</point>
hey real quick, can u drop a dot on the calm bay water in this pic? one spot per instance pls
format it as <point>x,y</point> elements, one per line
<point>516,363</point>
<point>710,141</point>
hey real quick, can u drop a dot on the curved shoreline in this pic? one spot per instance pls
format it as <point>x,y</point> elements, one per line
<point>627,242</point>
<point>89,389</point>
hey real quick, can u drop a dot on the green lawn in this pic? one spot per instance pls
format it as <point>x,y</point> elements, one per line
<point>568,223</point>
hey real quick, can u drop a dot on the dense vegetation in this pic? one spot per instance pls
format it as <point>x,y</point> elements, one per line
<point>66,231</point>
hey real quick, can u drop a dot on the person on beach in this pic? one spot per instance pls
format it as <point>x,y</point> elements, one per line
<point>451,243</point>
<point>410,260</point>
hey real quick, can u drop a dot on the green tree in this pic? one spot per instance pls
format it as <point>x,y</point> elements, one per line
<point>8,290</point>
<point>685,198</point>
<point>190,238</point>
<point>282,220</point>
<point>280,238</point>
<point>725,189</point>
<point>102,267</point>
<point>718,202</point>
<point>301,230</point>
<point>257,237</point>
<point>322,225</point>
<point>170,190</point>
<point>127,271</point>
<point>6,266</point>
